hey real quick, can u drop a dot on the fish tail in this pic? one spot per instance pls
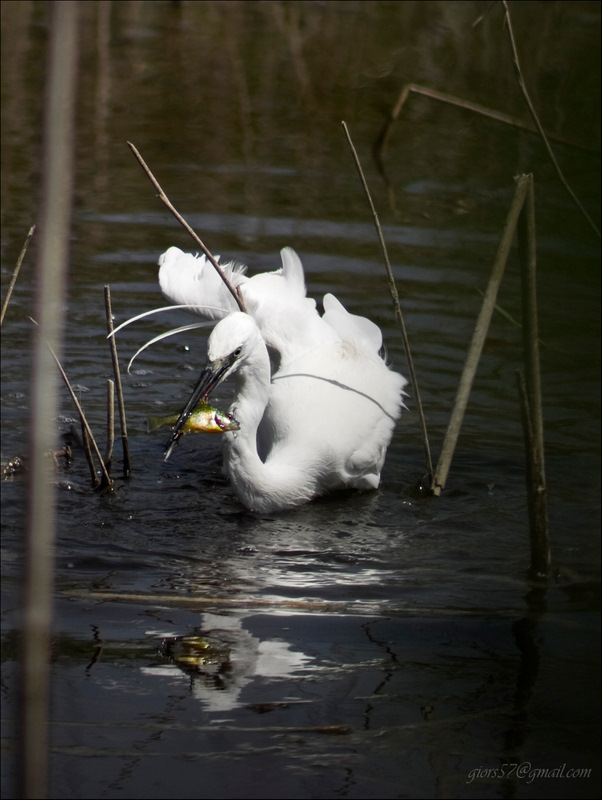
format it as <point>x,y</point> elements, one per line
<point>154,423</point>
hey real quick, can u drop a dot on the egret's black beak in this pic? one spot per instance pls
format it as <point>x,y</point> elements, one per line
<point>211,376</point>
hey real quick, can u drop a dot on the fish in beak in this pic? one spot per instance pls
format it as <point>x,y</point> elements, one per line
<point>213,374</point>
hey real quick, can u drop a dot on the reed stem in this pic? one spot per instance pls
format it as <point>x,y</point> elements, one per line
<point>534,440</point>
<point>167,202</point>
<point>110,424</point>
<point>117,374</point>
<point>94,479</point>
<point>396,305</point>
<point>16,273</point>
<point>479,336</point>
<point>80,411</point>
<point>539,126</point>
<point>51,273</point>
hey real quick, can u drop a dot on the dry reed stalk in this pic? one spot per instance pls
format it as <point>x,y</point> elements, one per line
<point>538,124</point>
<point>107,480</point>
<point>51,273</point>
<point>117,374</point>
<point>396,305</point>
<point>536,491</point>
<point>16,273</point>
<point>533,414</point>
<point>478,339</point>
<point>382,140</point>
<point>94,479</point>
<point>108,458</point>
<point>167,202</point>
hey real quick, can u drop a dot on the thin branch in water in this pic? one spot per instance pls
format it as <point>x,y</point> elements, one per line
<point>110,424</point>
<point>444,97</point>
<point>167,202</point>
<point>395,297</point>
<point>107,479</point>
<point>479,336</point>
<point>538,124</point>
<point>117,374</point>
<point>538,528</point>
<point>94,479</point>
<point>382,140</point>
<point>534,442</point>
<point>509,317</point>
<point>16,272</point>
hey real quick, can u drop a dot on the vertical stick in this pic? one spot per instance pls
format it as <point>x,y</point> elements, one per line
<point>88,453</point>
<point>122,421</point>
<point>110,425</point>
<point>536,481</point>
<point>478,339</point>
<point>53,255</point>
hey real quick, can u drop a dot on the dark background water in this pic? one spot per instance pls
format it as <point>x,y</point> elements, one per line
<point>238,641</point>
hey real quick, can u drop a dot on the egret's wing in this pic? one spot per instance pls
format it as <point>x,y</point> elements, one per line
<point>292,272</point>
<point>287,319</point>
<point>351,326</point>
<point>191,280</point>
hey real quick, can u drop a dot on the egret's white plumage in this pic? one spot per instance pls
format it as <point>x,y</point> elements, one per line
<point>324,420</point>
<point>288,320</point>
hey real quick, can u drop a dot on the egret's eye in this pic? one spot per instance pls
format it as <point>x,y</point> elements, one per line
<point>238,351</point>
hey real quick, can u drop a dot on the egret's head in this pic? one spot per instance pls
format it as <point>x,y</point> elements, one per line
<point>232,343</point>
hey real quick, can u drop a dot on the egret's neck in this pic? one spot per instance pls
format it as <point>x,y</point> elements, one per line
<point>252,394</point>
<point>260,485</point>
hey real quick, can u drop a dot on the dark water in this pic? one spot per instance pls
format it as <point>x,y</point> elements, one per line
<point>373,645</point>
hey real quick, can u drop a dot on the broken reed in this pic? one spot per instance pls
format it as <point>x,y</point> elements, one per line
<point>89,443</point>
<point>521,218</point>
<point>382,140</point>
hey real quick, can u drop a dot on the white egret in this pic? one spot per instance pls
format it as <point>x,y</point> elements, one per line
<point>324,420</point>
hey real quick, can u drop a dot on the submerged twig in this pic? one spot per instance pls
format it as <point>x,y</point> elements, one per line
<point>478,339</point>
<point>167,202</point>
<point>117,374</point>
<point>395,297</point>
<point>16,272</point>
<point>538,124</point>
<point>107,480</point>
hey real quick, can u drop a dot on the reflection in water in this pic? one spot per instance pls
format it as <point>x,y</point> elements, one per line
<point>223,658</point>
